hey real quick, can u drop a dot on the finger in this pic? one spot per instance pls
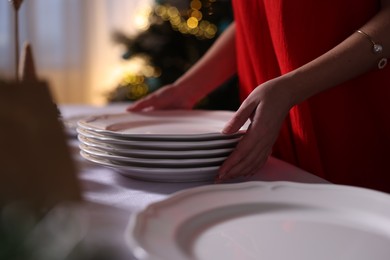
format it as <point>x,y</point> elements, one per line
<point>141,105</point>
<point>244,153</point>
<point>245,168</point>
<point>250,163</point>
<point>152,102</point>
<point>239,118</point>
<point>249,155</point>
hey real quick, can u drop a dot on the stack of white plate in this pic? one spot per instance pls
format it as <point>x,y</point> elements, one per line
<point>168,145</point>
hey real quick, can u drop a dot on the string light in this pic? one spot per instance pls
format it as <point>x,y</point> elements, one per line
<point>196,4</point>
<point>136,76</point>
<point>191,23</point>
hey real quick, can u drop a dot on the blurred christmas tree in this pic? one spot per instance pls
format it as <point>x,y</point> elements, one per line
<point>178,34</point>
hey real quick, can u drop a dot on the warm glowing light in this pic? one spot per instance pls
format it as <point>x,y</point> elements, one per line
<point>175,21</point>
<point>141,20</point>
<point>196,14</point>
<point>192,25</point>
<point>211,29</point>
<point>127,69</point>
<point>172,11</point>
<point>133,79</point>
<point>195,31</point>
<point>192,22</point>
<point>141,23</point>
<point>137,91</point>
<point>196,4</point>
<point>204,24</point>
<point>160,10</point>
<point>148,71</point>
<point>183,28</point>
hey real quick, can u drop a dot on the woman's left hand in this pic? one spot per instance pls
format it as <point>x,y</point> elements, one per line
<point>266,107</point>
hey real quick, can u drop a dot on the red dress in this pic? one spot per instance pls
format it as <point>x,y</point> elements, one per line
<point>342,134</point>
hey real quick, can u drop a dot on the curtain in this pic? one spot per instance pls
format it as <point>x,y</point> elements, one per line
<point>72,43</point>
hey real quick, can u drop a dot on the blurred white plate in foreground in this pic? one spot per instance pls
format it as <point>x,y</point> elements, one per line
<point>258,220</point>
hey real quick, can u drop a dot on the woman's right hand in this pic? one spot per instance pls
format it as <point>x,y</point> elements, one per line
<point>167,97</point>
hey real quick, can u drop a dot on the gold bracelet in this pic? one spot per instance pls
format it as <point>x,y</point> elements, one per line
<point>376,49</point>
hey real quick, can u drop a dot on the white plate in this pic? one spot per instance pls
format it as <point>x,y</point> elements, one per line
<point>70,124</point>
<point>196,174</point>
<point>145,162</point>
<point>71,114</point>
<point>163,125</point>
<point>156,154</point>
<point>258,220</point>
<point>159,145</point>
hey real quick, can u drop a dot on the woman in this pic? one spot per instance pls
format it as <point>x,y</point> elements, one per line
<point>317,92</point>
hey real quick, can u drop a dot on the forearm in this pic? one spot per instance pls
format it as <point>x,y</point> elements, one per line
<point>214,68</point>
<point>347,60</point>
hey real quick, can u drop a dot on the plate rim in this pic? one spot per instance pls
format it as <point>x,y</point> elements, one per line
<point>160,145</point>
<point>155,162</point>
<point>204,136</point>
<point>153,209</point>
<point>193,174</point>
<point>148,153</point>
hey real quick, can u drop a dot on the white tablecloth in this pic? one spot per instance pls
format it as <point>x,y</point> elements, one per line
<point>127,196</point>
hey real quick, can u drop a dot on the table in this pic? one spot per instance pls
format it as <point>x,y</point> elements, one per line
<point>121,196</point>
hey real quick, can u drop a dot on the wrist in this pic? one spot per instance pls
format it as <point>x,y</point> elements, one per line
<point>283,88</point>
<point>190,91</point>
<point>295,87</point>
<point>185,92</point>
